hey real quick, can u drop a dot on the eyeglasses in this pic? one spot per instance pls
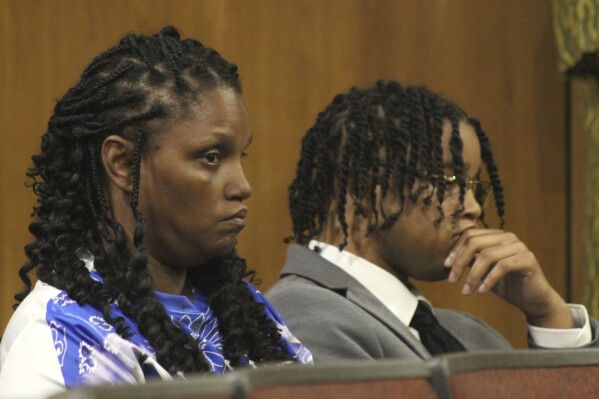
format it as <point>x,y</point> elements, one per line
<point>482,189</point>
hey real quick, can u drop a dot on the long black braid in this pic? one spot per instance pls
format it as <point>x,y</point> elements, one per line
<point>387,138</point>
<point>133,89</point>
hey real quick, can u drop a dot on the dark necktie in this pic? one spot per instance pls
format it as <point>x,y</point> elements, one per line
<point>432,334</point>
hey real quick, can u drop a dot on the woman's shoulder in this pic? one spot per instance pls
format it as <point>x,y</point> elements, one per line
<point>44,309</point>
<point>70,345</point>
<point>50,309</point>
<point>33,308</point>
<point>28,336</point>
<point>48,302</point>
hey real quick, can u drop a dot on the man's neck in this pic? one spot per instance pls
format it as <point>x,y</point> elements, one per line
<point>366,249</point>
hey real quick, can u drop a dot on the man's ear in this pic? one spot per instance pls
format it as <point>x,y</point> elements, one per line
<point>117,158</point>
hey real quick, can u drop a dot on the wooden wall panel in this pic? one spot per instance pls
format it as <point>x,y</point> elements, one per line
<point>496,59</point>
<point>580,155</point>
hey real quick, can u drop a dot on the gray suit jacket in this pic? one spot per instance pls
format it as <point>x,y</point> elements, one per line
<point>335,317</point>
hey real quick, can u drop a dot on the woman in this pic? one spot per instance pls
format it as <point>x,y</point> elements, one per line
<point>141,195</point>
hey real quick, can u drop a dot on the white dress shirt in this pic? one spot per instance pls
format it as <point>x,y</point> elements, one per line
<point>402,302</point>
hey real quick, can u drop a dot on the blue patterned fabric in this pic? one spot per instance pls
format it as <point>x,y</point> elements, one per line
<point>90,351</point>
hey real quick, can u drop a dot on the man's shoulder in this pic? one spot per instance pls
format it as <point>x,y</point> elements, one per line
<point>305,306</point>
<point>473,332</point>
<point>457,316</point>
<point>298,287</point>
<point>295,296</point>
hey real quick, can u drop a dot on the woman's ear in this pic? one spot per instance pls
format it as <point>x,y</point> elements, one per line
<point>117,158</point>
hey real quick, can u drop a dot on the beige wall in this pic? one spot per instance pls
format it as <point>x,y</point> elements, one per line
<point>495,58</point>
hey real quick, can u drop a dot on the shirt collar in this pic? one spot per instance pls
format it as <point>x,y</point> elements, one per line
<point>383,285</point>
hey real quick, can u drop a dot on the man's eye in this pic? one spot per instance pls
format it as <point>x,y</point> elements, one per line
<point>211,157</point>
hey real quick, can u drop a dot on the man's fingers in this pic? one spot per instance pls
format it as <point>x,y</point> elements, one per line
<point>468,249</point>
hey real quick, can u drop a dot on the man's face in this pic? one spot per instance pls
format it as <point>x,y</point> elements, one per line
<point>413,247</point>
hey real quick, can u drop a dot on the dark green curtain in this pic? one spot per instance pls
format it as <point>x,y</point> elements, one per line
<point>576,25</point>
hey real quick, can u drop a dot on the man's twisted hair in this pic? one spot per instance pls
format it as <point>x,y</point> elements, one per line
<point>133,89</point>
<point>386,136</point>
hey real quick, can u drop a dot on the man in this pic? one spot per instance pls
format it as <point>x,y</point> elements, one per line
<point>388,190</point>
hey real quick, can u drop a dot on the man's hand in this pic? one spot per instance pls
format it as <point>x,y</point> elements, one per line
<point>500,262</point>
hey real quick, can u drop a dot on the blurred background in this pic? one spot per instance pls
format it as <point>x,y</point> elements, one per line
<point>499,60</point>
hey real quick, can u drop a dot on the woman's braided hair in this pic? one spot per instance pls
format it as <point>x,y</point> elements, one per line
<point>387,138</point>
<point>133,89</point>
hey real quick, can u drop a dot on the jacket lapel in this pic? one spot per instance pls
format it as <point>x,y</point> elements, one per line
<point>303,262</point>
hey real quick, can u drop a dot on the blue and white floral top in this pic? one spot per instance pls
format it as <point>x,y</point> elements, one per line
<point>51,343</point>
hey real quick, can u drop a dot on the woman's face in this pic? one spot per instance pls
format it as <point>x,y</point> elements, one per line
<point>192,185</point>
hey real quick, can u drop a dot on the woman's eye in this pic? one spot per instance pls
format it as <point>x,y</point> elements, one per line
<point>211,157</point>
